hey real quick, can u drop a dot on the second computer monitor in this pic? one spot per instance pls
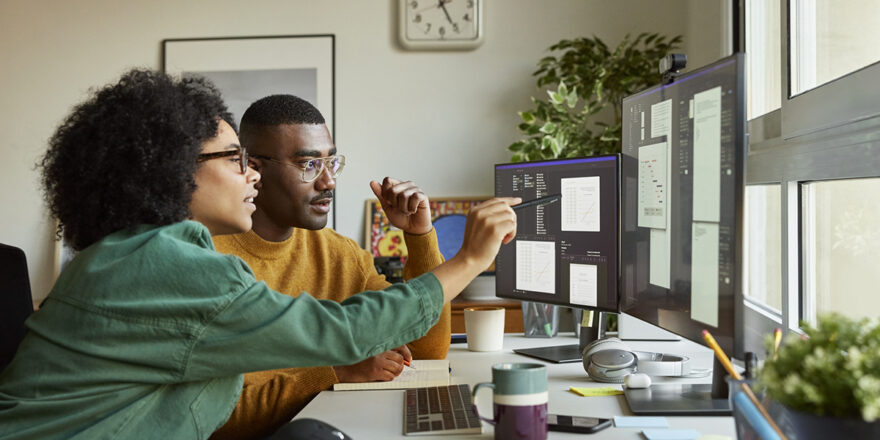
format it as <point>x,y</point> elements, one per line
<point>565,252</point>
<point>683,174</point>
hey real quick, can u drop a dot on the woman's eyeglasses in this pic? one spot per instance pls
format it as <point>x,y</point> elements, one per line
<point>240,152</point>
<point>312,168</point>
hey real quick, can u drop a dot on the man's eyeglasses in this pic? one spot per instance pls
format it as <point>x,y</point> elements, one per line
<point>312,168</point>
<point>240,152</point>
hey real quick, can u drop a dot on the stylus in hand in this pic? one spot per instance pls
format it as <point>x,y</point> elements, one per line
<point>539,201</point>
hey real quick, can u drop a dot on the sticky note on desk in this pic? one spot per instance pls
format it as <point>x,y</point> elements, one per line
<point>640,422</point>
<point>595,391</point>
<point>671,434</point>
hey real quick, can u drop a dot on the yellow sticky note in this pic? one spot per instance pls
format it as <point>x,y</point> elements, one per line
<point>596,391</point>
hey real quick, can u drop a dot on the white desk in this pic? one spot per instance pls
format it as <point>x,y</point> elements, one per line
<point>366,415</point>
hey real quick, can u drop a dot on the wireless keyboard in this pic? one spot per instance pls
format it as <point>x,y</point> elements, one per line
<point>439,410</point>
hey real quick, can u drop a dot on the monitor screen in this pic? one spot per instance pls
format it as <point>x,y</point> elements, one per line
<point>682,176</point>
<point>565,252</point>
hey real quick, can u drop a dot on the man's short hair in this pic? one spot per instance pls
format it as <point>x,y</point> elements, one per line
<point>275,110</point>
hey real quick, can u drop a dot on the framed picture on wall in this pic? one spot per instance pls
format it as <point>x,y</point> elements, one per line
<point>447,213</point>
<point>248,68</point>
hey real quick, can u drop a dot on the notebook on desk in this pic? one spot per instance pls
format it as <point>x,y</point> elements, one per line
<point>425,373</point>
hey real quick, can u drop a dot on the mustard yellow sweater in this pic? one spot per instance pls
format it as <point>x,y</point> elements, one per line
<point>328,266</point>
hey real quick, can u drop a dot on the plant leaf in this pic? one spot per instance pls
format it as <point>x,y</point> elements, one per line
<point>572,98</point>
<point>517,146</point>
<point>549,128</point>
<point>555,147</point>
<point>527,117</point>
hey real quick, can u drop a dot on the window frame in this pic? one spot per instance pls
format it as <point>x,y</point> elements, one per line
<point>826,133</point>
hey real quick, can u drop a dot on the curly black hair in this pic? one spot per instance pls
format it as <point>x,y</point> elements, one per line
<point>276,110</point>
<point>127,155</point>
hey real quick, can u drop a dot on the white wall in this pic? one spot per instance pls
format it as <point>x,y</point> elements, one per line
<point>708,35</point>
<point>440,119</point>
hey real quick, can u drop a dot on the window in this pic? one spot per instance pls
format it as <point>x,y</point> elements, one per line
<point>841,247</point>
<point>763,246</point>
<point>830,40</point>
<point>763,58</point>
<point>813,164</point>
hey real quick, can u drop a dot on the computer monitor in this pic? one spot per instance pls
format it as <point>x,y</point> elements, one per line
<point>683,171</point>
<point>565,252</point>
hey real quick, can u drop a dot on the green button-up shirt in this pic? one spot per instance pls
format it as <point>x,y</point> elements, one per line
<point>146,334</point>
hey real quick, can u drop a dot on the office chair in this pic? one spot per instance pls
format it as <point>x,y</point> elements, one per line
<point>16,303</point>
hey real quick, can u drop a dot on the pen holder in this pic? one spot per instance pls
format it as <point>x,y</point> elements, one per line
<point>577,315</point>
<point>540,320</point>
<point>750,423</point>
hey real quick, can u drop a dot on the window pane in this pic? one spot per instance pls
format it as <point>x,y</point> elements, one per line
<point>842,247</point>
<point>763,59</point>
<point>763,245</point>
<point>830,38</point>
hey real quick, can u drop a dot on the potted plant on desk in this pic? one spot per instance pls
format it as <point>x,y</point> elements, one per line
<point>826,384</point>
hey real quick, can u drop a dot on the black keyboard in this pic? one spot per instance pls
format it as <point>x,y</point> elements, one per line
<point>439,410</point>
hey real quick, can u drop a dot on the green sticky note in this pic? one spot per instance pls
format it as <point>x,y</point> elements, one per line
<point>596,391</point>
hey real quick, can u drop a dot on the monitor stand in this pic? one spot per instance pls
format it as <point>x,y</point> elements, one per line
<point>559,354</point>
<point>591,329</point>
<point>682,399</point>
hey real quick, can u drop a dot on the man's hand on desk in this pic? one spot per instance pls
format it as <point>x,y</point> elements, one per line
<point>380,368</point>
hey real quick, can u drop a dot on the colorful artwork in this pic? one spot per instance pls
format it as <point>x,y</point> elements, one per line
<point>385,240</point>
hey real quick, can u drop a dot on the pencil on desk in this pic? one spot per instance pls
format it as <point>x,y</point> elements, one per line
<point>777,338</point>
<point>725,361</point>
<point>722,357</point>
<point>408,364</point>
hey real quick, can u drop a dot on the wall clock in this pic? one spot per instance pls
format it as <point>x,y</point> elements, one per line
<point>441,24</point>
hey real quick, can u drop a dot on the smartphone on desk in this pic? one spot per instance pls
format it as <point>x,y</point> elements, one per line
<point>583,425</point>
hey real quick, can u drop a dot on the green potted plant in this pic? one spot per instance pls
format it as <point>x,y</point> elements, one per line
<point>581,78</point>
<point>828,381</point>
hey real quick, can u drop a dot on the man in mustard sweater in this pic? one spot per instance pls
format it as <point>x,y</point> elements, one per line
<point>291,250</point>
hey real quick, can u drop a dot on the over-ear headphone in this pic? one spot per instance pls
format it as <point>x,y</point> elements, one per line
<point>610,360</point>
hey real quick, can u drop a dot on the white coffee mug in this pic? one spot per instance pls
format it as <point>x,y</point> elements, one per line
<point>484,327</point>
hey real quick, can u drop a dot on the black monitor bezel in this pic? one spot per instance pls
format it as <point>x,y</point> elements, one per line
<point>733,345</point>
<point>616,279</point>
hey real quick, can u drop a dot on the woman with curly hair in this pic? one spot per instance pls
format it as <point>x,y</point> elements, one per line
<point>148,330</point>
